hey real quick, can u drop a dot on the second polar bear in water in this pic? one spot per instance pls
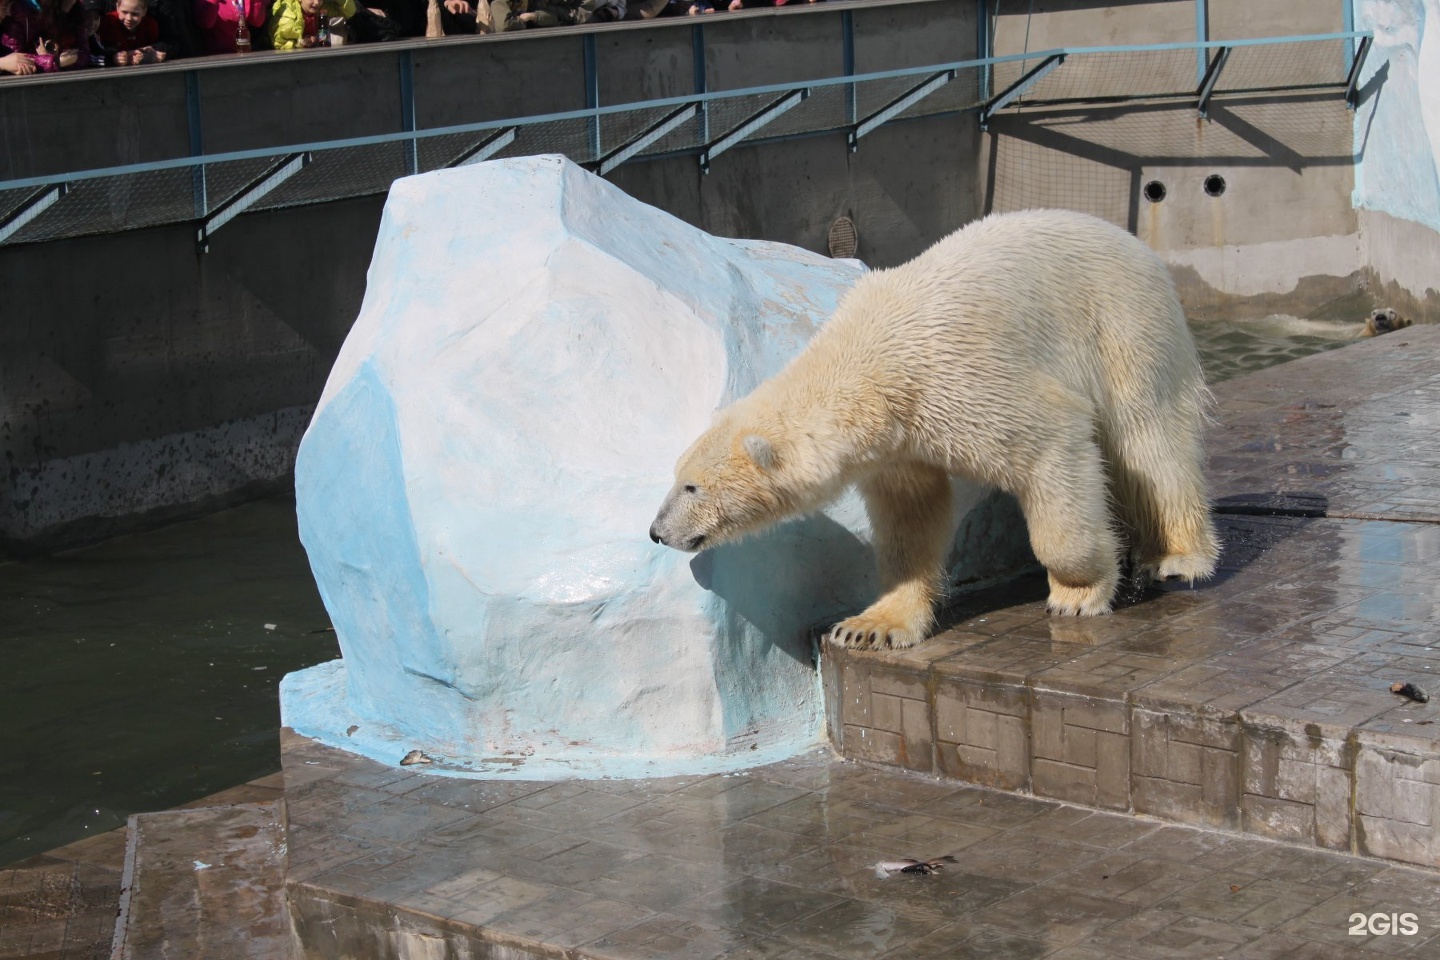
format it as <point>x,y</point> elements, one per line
<point>1044,353</point>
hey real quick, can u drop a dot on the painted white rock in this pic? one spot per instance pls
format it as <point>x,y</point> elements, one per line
<point>534,351</point>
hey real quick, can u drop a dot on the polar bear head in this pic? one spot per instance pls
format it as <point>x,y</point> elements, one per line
<point>1384,320</point>
<point>729,483</point>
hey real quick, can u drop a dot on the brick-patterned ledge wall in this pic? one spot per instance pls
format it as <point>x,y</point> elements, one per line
<point>1370,792</point>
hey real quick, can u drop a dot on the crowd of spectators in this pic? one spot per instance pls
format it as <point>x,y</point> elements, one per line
<point>45,36</point>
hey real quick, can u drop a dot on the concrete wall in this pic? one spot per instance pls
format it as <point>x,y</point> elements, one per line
<point>1283,236</point>
<point>141,379</point>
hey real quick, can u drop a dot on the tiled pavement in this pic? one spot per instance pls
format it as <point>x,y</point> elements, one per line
<point>777,863</point>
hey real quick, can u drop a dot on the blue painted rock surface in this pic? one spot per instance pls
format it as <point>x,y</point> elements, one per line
<point>534,351</point>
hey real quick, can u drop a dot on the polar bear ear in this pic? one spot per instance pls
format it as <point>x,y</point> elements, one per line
<point>759,450</point>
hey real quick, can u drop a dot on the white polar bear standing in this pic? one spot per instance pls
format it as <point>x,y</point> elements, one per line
<point>1042,352</point>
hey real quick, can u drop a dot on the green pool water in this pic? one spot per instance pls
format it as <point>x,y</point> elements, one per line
<point>141,673</point>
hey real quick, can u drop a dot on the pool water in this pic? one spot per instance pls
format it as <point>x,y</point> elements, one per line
<point>1231,348</point>
<point>141,673</point>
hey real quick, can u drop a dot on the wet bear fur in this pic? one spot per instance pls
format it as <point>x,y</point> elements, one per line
<point>1044,353</point>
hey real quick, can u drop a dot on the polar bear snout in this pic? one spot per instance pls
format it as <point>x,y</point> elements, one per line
<point>673,526</point>
<point>690,545</point>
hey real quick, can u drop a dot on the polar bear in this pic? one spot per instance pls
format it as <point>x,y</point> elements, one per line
<point>1041,352</point>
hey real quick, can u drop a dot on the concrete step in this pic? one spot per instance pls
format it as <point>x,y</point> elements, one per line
<point>1258,702</point>
<point>205,883</point>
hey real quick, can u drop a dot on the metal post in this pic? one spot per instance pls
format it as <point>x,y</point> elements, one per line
<point>592,90</point>
<point>197,142</point>
<point>847,39</point>
<point>1207,83</point>
<point>407,112</point>
<point>1347,24</point>
<point>1202,34</point>
<point>697,50</point>
<point>1352,82</point>
<point>984,47</point>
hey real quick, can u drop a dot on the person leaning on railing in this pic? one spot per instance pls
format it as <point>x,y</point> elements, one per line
<point>380,20</point>
<point>54,36</point>
<point>295,24</point>
<point>129,37</point>
<point>19,31</point>
<point>523,14</point>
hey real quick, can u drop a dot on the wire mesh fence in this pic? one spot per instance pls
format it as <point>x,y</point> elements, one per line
<point>1313,63</point>
<point>706,124</point>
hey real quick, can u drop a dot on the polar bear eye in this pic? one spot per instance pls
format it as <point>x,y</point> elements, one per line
<point>690,488</point>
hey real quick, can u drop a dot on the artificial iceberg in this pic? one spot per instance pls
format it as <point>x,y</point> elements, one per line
<point>534,350</point>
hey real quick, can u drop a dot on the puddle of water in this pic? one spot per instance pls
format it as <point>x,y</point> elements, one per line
<point>140,673</point>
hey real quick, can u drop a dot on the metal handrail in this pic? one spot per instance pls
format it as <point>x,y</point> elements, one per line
<point>658,104</point>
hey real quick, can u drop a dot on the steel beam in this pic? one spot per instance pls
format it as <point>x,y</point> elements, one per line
<point>898,106</point>
<point>1352,82</point>
<point>1212,76</point>
<point>485,149</point>
<point>757,121</point>
<point>1017,89</point>
<point>653,133</point>
<point>40,201</point>
<point>407,112</point>
<point>249,195</point>
<point>195,122</point>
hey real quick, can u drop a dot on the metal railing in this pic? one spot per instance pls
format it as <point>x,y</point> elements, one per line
<point>211,190</point>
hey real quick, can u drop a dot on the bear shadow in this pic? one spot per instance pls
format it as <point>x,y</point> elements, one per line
<point>790,582</point>
<point>1249,527</point>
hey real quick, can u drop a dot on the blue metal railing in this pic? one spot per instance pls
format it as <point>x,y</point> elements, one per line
<point>704,123</point>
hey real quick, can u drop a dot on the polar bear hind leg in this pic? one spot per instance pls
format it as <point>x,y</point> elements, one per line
<point>1155,458</point>
<point>1160,492</point>
<point>912,522</point>
<point>1071,531</point>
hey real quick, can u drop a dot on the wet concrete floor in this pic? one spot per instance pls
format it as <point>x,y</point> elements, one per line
<point>779,863</point>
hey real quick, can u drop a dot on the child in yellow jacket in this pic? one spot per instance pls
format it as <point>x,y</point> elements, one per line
<point>295,23</point>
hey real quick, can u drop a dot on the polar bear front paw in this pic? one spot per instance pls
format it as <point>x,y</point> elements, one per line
<point>1091,601</point>
<point>869,631</point>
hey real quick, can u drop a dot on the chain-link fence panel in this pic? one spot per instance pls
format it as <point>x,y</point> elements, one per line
<point>962,93</point>
<point>12,200</point>
<point>1312,63</point>
<point>1133,74</point>
<point>342,173</point>
<point>118,203</point>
